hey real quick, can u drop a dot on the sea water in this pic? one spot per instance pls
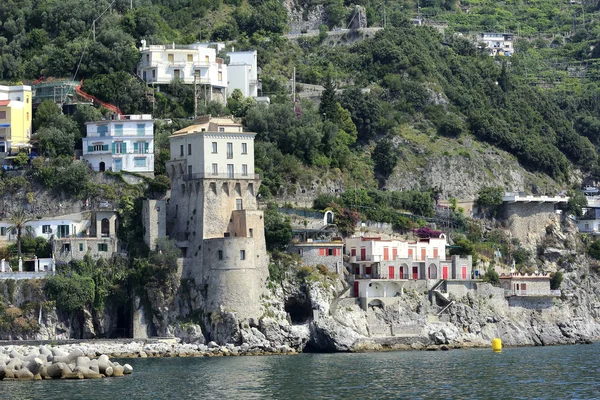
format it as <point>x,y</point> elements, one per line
<point>559,372</point>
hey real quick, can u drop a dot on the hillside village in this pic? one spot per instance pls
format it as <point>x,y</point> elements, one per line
<point>203,199</point>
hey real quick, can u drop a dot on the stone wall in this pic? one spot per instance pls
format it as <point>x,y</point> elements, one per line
<point>528,221</point>
<point>154,218</point>
<point>311,256</point>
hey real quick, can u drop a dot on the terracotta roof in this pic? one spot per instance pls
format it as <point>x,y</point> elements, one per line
<point>4,102</point>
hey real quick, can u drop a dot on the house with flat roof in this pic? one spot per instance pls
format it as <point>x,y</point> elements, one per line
<point>125,143</point>
<point>15,118</point>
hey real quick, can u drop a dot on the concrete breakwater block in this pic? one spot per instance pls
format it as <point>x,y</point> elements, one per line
<point>53,363</point>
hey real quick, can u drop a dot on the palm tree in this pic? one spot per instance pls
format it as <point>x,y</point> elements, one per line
<point>19,220</point>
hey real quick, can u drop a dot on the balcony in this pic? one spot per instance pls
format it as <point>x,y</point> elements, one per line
<point>205,175</point>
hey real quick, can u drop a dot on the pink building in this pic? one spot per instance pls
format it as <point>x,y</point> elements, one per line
<point>381,269</point>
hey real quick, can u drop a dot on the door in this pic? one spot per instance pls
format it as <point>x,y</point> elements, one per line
<point>464,272</point>
<point>355,288</point>
<point>230,170</point>
<point>523,288</point>
<point>410,253</point>
<point>118,164</point>
<point>386,253</point>
<point>423,254</point>
<point>401,273</point>
<point>102,166</point>
<point>394,254</point>
<point>363,253</point>
<point>353,253</point>
<point>391,272</point>
<point>368,270</point>
<point>444,272</point>
<point>415,273</point>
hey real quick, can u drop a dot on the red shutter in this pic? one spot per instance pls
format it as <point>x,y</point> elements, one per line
<point>321,251</point>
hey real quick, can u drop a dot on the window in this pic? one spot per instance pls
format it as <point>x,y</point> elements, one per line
<point>153,74</point>
<point>119,147</point>
<point>220,76</point>
<point>197,75</point>
<point>141,129</point>
<point>189,149</point>
<point>80,246</point>
<point>102,131</point>
<point>189,170</point>
<point>214,147</point>
<point>242,254</point>
<point>244,148</point>
<point>147,58</point>
<point>181,150</point>
<point>239,205</point>
<point>170,58</point>
<point>230,170</point>
<point>102,247</point>
<point>2,114</point>
<point>98,147</point>
<point>251,232</point>
<point>3,231</point>
<point>221,129</point>
<point>139,162</point>
<point>229,150</point>
<point>330,252</point>
<point>215,169</point>
<point>27,116</point>
<point>177,74</point>
<point>245,169</point>
<point>190,58</point>
<point>220,254</point>
<point>119,130</point>
<point>46,229</point>
<point>300,252</point>
<point>206,59</point>
<point>66,247</point>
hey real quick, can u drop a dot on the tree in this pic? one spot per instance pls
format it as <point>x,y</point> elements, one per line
<point>556,280</point>
<point>45,112</point>
<point>577,201</point>
<point>385,156</point>
<point>328,106</point>
<point>594,250</point>
<point>55,142</point>
<point>19,220</point>
<point>491,276</point>
<point>278,230</point>
<point>489,198</point>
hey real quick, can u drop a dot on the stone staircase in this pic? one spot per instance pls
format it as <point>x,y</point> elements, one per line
<point>438,296</point>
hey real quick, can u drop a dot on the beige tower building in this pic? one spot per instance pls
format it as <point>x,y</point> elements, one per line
<point>213,214</point>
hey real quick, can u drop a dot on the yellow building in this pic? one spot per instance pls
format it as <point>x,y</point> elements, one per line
<point>15,117</point>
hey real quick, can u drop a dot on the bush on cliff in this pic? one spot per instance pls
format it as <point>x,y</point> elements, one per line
<point>72,293</point>
<point>556,280</point>
<point>278,230</point>
<point>594,250</point>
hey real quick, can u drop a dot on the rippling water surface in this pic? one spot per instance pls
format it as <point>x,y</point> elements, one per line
<point>561,372</point>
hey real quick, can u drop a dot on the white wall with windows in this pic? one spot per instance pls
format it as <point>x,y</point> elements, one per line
<point>225,151</point>
<point>59,227</point>
<point>125,144</point>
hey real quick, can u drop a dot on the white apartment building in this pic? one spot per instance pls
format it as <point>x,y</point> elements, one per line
<point>198,62</point>
<point>243,73</point>
<point>122,144</point>
<point>217,148</point>
<point>498,44</point>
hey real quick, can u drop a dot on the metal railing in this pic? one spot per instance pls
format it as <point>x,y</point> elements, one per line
<point>535,292</point>
<point>206,175</point>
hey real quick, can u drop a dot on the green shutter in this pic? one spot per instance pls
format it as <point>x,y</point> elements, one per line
<point>146,146</point>
<point>113,147</point>
<point>135,147</point>
<point>105,147</point>
<point>123,148</point>
<point>90,148</point>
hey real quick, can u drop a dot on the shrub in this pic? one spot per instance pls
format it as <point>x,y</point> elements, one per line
<point>556,280</point>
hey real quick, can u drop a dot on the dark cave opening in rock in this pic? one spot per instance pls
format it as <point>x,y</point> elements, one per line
<point>299,312</point>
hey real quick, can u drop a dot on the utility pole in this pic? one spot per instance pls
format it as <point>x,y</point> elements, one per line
<point>294,87</point>
<point>195,98</point>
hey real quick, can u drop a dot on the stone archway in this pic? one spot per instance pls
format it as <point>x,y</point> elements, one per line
<point>432,272</point>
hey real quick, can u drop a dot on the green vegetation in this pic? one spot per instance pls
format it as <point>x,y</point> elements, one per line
<point>278,231</point>
<point>556,280</point>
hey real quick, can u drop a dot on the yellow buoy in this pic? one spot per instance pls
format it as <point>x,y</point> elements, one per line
<point>497,345</point>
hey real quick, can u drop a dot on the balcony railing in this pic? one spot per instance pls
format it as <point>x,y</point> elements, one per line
<point>532,293</point>
<point>205,175</point>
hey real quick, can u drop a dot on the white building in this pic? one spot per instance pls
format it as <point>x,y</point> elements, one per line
<point>243,73</point>
<point>122,144</point>
<point>498,44</point>
<point>214,149</point>
<point>198,62</point>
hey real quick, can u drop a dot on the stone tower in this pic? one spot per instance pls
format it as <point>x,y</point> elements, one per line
<point>213,215</point>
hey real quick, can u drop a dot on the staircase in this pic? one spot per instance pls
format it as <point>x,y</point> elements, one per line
<point>440,296</point>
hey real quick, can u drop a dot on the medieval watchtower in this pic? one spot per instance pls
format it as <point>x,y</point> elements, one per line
<point>213,214</point>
